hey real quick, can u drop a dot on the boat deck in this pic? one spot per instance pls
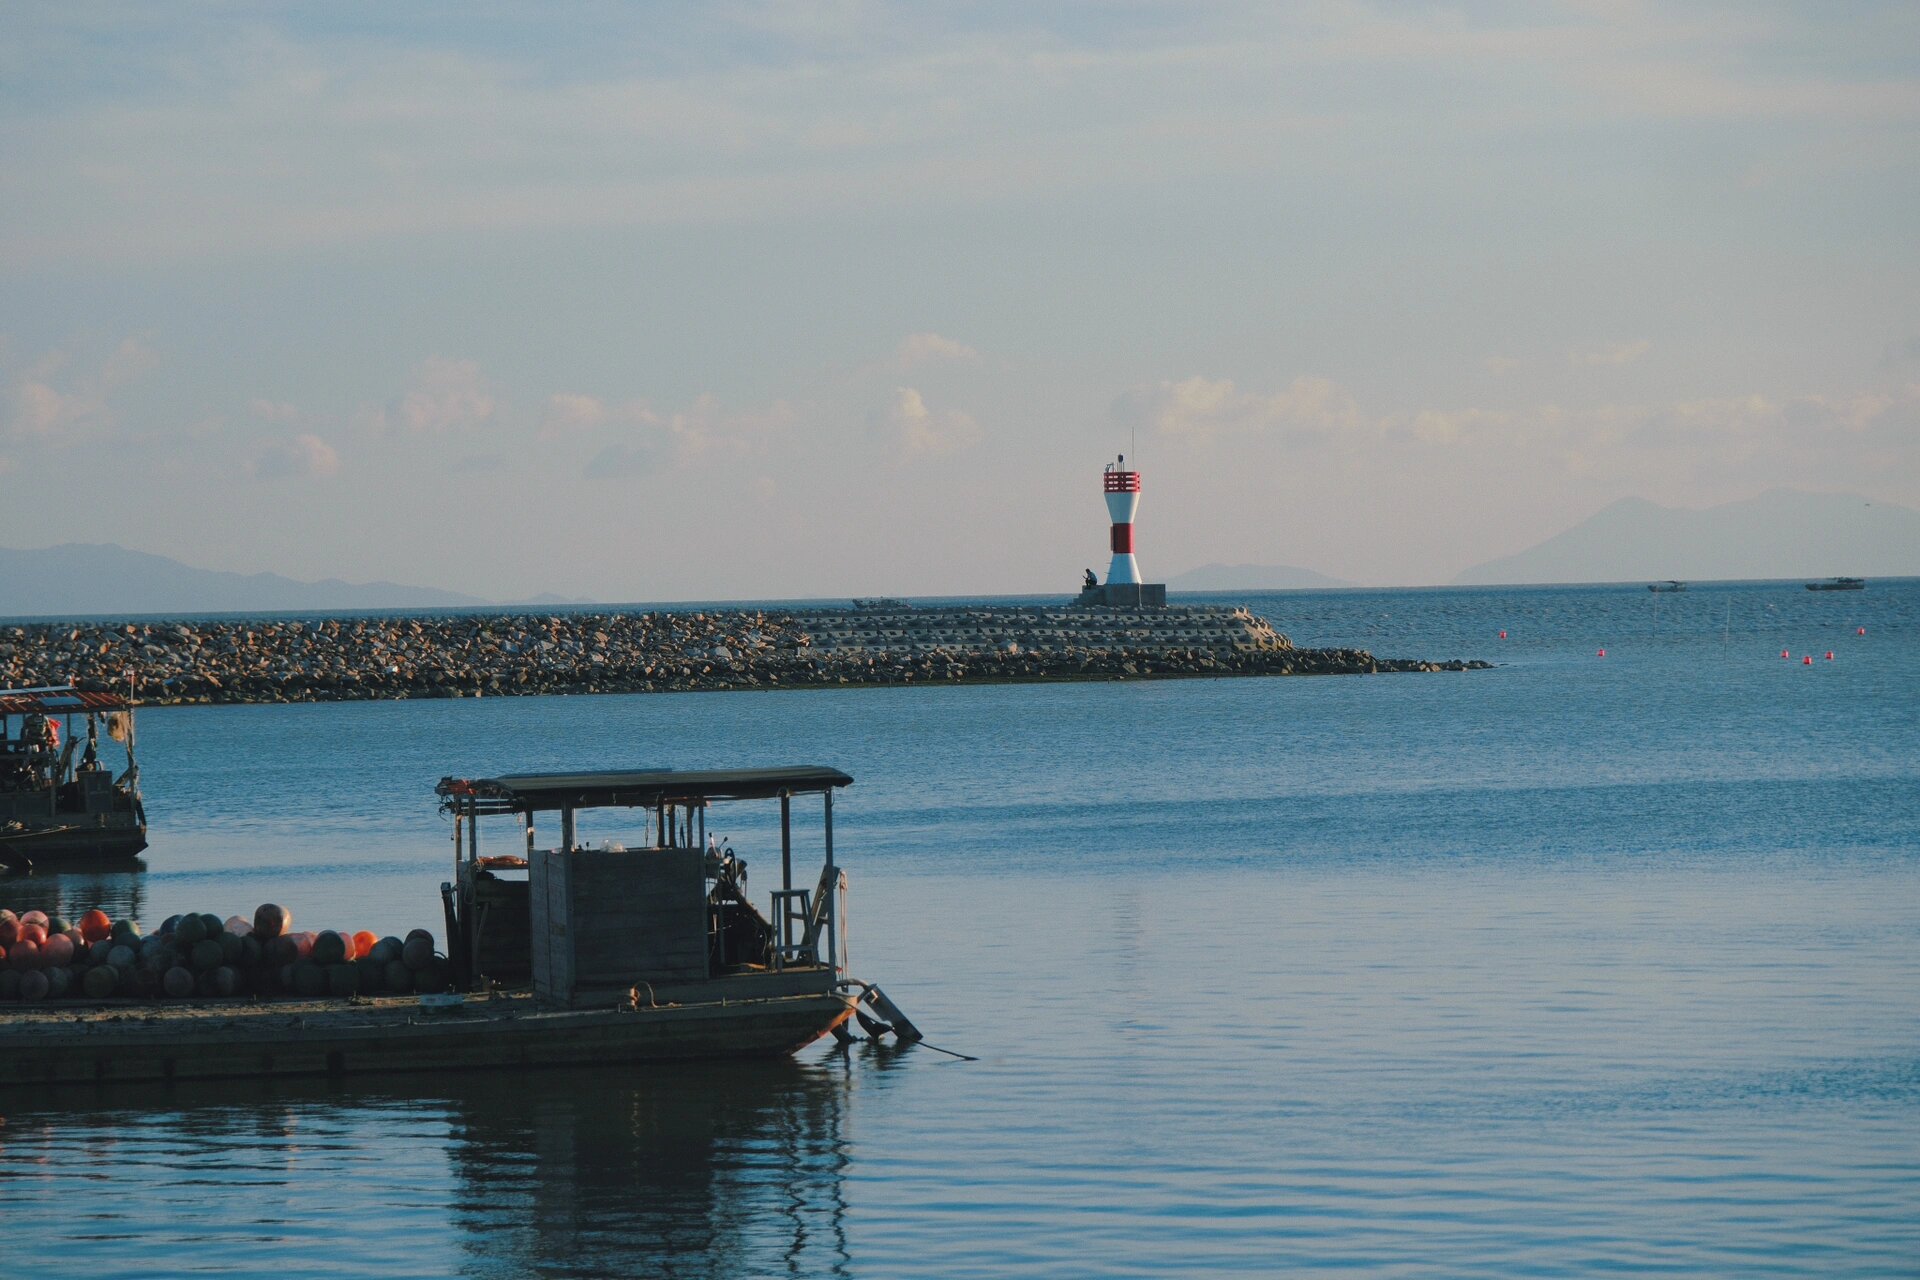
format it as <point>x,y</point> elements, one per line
<point>110,1043</point>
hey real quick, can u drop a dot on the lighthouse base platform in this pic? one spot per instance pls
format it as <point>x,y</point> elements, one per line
<point>1123,595</point>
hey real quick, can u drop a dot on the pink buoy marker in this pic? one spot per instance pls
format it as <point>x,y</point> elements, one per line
<point>1785,654</point>
<point>1829,655</point>
<point>1807,661</point>
<point>1503,635</point>
<point>1603,653</point>
<point>1859,631</point>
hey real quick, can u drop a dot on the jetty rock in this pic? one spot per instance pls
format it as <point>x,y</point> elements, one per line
<point>477,655</point>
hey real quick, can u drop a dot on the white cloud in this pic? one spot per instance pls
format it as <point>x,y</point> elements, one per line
<point>921,348</point>
<point>304,456</point>
<point>916,430</point>
<point>1500,365</point>
<point>1612,354</point>
<point>277,135</point>
<point>644,439</point>
<point>569,412</point>
<point>631,457</point>
<point>51,403</point>
<point>1202,409</point>
<point>273,410</point>
<point>448,394</point>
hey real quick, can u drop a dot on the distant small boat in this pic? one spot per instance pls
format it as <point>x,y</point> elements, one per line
<point>1839,584</point>
<point>1669,585</point>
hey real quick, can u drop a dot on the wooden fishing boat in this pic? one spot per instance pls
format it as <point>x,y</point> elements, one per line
<point>644,947</point>
<point>54,808</point>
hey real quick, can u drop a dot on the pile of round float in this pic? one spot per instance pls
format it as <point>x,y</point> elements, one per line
<point>197,956</point>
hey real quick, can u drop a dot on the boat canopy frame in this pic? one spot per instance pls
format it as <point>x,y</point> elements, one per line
<point>676,800</point>
<point>633,789</point>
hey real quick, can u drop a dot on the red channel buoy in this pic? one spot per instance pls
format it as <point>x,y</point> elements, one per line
<point>1829,655</point>
<point>1859,631</point>
<point>1785,654</point>
<point>1807,661</point>
<point>1503,635</point>
<point>1603,653</point>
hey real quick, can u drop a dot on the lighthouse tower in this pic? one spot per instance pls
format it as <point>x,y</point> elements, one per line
<point>1123,502</point>
<point>1123,588</point>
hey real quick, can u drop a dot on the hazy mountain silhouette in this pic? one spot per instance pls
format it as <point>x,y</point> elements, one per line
<point>1784,533</point>
<point>78,579</point>
<point>1250,577</point>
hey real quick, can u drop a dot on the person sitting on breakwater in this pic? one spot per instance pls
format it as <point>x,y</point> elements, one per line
<point>1090,583</point>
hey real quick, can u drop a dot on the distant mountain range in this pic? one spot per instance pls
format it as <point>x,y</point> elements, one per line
<point>1250,577</point>
<point>78,579</point>
<point>1784,533</point>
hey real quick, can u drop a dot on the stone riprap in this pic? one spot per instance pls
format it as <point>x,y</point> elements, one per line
<point>467,655</point>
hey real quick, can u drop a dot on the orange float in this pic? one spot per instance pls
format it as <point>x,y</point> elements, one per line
<point>95,925</point>
<point>362,943</point>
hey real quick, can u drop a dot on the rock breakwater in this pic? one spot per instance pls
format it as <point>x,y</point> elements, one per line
<point>469,655</point>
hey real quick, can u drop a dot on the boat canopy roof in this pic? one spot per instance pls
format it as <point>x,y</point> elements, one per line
<point>55,700</point>
<point>633,789</point>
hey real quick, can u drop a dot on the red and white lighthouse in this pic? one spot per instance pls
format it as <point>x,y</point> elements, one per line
<point>1123,500</point>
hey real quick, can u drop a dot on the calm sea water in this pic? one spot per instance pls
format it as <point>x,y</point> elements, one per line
<point>1576,966</point>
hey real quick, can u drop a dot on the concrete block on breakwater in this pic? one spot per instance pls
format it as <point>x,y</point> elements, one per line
<point>466,655</point>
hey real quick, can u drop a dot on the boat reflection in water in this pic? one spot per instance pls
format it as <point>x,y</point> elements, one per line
<point>115,885</point>
<point>710,1169</point>
<point>725,1169</point>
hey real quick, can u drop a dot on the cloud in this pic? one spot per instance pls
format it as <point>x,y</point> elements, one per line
<point>279,132</point>
<point>627,458</point>
<point>51,404</point>
<point>273,410</point>
<point>916,430</point>
<point>1500,365</point>
<point>1202,409</point>
<point>475,464</point>
<point>568,412</point>
<point>446,395</point>
<point>922,348</point>
<point>1613,354</point>
<point>128,361</point>
<point>41,410</point>
<point>305,456</point>
<point>646,439</point>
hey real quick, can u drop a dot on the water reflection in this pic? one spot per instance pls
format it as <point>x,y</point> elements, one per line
<point>116,886</point>
<point>717,1170</point>
<point>686,1170</point>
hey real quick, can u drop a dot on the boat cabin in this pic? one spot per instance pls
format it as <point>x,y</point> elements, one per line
<point>660,913</point>
<point>58,797</point>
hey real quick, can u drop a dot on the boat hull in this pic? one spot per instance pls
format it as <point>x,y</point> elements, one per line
<point>72,844</point>
<point>113,1044</point>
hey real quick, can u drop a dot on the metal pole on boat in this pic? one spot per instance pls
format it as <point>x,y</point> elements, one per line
<point>832,874</point>
<point>786,839</point>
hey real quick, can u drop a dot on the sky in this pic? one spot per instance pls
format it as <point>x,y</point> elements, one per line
<point>712,301</point>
